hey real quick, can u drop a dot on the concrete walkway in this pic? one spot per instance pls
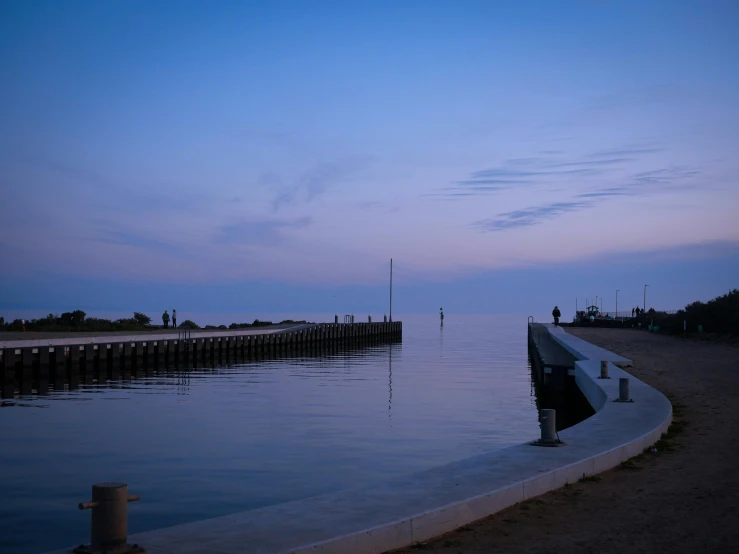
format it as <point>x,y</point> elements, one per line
<point>417,507</point>
<point>53,339</point>
<point>583,350</point>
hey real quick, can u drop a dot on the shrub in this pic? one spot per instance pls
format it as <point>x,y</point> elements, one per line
<point>141,319</point>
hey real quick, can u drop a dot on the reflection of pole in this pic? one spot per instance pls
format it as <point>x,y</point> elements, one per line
<point>391,289</point>
<point>390,381</point>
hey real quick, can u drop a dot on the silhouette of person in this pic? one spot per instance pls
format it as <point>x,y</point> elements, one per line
<point>556,314</point>
<point>174,319</point>
<point>165,319</point>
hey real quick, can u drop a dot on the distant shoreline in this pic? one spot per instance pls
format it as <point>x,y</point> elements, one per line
<point>35,335</point>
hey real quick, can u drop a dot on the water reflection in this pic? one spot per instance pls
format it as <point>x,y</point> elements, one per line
<point>390,382</point>
<point>204,441</point>
<point>43,381</point>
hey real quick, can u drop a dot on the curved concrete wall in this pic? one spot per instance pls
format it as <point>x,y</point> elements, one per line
<point>418,507</point>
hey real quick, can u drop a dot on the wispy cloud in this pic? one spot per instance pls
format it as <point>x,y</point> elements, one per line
<point>316,181</point>
<point>657,181</point>
<point>663,176</point>
<point>529,216</point>
<point>653,94</point>
<point>142,241</point>
<point>265,232</point>
<point>606,193</point>
<point>633,150</point>
<point>100,191</point>
<point>528,172</point>
<point>379,206</point>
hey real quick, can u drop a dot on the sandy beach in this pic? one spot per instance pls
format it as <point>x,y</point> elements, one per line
<point>680,498</point>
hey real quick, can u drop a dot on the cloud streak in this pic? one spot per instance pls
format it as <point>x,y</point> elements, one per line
<point>658,181</point>
<point>529,216</point>
<point>542,171</point>
<point>317,181</point>
<point>265,232</point>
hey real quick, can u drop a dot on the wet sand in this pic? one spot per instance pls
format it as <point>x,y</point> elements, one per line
<point>680,499</point>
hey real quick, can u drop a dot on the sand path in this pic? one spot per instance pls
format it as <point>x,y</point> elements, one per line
<point>683,498</point>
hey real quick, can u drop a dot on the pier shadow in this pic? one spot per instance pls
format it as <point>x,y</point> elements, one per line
<point>559,393</point>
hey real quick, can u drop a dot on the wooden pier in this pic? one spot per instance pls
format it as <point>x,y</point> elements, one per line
<point>66,360</point>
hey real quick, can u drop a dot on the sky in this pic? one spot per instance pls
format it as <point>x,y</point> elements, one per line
<point>273,156</point>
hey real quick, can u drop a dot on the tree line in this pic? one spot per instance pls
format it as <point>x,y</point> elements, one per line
<point>77,320</point>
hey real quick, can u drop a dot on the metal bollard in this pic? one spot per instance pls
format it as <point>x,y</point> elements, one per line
<point>604,370</point>
<point>109,520</point>
<point>547,423</point>
<point>623,390</point>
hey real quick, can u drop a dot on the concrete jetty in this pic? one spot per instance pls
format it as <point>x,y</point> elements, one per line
<point>417,507</point>
<point>63,359</point>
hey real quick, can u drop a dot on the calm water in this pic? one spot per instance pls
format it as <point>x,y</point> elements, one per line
<point>213,442</point>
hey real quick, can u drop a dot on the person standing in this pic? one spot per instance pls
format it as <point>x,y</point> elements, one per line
<point>174,319</point>
<point>165,318</point>
<point>556,314</point>
<point>632,312</point>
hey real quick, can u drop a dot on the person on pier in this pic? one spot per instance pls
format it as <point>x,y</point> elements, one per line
<point>165,319</point>
<point>556,314</point>
<point>174,319</point>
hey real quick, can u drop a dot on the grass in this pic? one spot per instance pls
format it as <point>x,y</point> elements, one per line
<point>590,479</point>
<point>666,442</point>
<point>630,464</point>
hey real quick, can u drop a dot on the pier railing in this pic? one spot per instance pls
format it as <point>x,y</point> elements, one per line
<point>629,315</point>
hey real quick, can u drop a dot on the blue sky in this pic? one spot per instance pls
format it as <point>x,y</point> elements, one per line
<point>273,156</point>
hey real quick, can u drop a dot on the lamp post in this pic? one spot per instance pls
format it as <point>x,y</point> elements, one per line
<point>645,298</point>
<point>616,316</point>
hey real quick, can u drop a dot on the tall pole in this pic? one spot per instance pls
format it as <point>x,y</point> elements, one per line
<point>616,316</point>
<point>391,289</point>
<point>644,307</point>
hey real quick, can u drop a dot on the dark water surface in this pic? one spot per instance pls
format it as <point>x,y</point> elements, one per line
<point>210,442</point>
